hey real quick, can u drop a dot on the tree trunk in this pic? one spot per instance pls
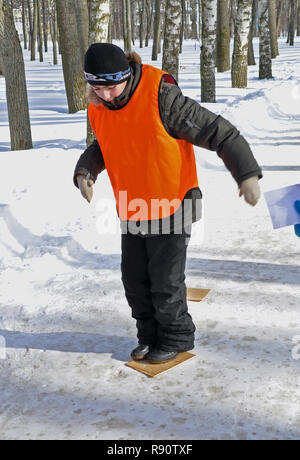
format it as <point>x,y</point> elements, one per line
<point>149,15</point>
<point>194,19</point>
<point>183,21</point>
<point>292,24</point>
<point>39,30</point>
<point>199,18</point>
<point>125,31</point>
<point>34,31</point>
<point>233,12</point>
<point>273,31</point>
<point>30,22</point>
<point>171,46</point>
<point>252,33</point>
<point>265,61</point>
<point>109,27</point>
<point>99,14</point>
<point>240,51</point>
<point>71,55</point>
<point>45,10</point>
<point>141,5</point>
<point>159,45</point>
<point>298,19</point>
<point>132,9</point>
<point>278,17</point>
<point>207,67</point>
<point>16,92</point>
<point>53,33</point>
<point>116,15</point>
<point>156,37</point>
<point>223,36</point>
<point>99,19</point>
<point>288,35</point>
<point>24,24</point>
<point>82,19</point>
<point>127,24</point>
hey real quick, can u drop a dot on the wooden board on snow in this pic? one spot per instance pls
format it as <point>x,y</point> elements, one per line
<point>155,369</point>
<point>196,294</point>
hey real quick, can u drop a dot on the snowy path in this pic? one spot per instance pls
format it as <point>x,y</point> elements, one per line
<point>64,318</point>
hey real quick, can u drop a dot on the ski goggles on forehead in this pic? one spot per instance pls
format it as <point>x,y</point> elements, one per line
<point>115,77</point>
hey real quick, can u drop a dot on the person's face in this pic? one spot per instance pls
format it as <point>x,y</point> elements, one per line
<point>108,93</point>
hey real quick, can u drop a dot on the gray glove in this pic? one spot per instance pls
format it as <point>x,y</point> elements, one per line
<point>251,190</point>
<point>85,186</point>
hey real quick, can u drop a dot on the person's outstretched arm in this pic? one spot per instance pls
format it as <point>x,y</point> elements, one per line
<point>185,119</point>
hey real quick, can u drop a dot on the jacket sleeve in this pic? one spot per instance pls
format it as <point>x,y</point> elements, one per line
<point>185,119</point>
<point>90,162</point>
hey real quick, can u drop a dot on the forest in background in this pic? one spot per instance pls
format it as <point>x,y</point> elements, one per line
<point>72,25</point>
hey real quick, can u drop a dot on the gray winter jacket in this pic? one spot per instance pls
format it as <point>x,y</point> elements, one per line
<point>183,118</point>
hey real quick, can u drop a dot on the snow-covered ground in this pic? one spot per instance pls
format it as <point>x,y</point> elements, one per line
<point>65,321</point>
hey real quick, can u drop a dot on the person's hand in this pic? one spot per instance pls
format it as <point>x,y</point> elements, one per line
<point>251,190</point>
<point>297,226</point>
<point>85,187</point>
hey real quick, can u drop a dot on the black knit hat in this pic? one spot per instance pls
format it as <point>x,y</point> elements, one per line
<point>106,64</point>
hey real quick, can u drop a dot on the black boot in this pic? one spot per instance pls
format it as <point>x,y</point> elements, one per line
<point>140,352</point>
<point>157,356</point>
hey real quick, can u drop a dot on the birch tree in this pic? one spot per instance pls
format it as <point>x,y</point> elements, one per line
<point>265,61</point>
<point>99,14</point>
<point>199,18</point>
<point>11,58</point>
<point>239,77</point>
<point>99,18</point>
<point>71,55</point>
<point>171,47</point>
<point>223,36</point>
<point>208,49</point>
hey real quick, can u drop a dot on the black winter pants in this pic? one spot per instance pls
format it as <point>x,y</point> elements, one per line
<point>154,281</point>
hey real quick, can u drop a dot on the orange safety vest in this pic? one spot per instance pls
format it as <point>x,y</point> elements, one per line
<point>150,171</point>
